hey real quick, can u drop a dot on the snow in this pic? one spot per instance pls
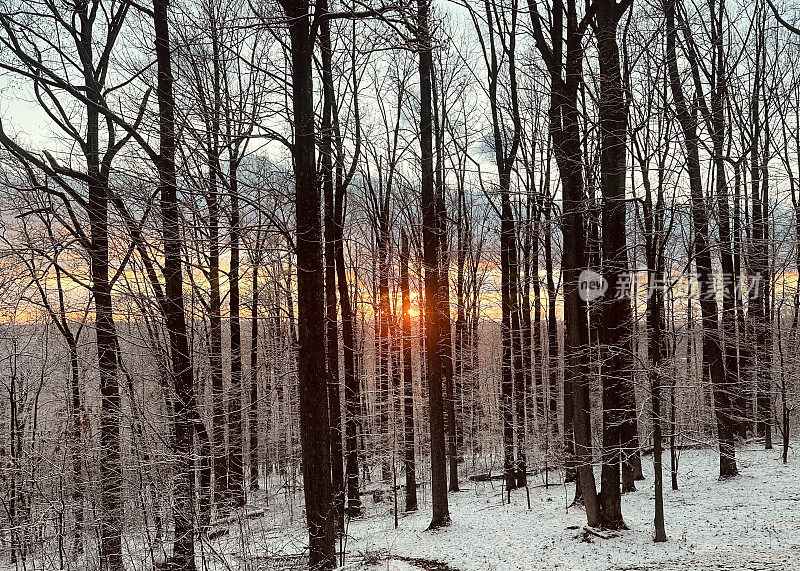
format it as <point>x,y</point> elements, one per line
<point>748,522</point>
<point>751,522</point>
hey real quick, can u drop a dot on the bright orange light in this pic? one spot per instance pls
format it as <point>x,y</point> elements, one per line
<point>413,312</point>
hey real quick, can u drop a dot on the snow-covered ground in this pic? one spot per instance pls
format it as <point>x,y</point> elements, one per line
<point>749,522</point>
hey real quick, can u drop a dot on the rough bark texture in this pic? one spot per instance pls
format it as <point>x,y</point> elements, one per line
<point>617,324</point>
<point>313,394</point>
<point>433,272</point>
<point>565,76</point>
<point>106,337</point>
<point>182,374</point>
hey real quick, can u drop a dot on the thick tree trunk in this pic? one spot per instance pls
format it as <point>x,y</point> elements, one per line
<point>617,323</point>
<point>566,71</point>
<point>313,393</point>
<point>507,357</point>
<point>654,324</point>
<point>432,263</point>
<point>439,121</point>
<point>76,413</point>
<point>106,339</point>
<point>183,554</point>
<point>718,136</point>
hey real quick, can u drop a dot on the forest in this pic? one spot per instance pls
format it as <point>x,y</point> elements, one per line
<point>399,284</point>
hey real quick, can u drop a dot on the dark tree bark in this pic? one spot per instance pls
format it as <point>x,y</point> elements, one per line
<point>111,522</point>
<point>531,327</point>
<point>565,70</point>
<point>313,394</point>
<point>655,308</point>
<point>175,321</point>
<point>713,356</point>
<point>235,441</point>
<point>447,344</point>
<point>408,382</point>
<point>552,333</point>
<point>218,418</point>
<point>764,389</point>
<point>719,91</point>
<point>759,259</point>
<point>462,361</point>
<point>252,409</point>
<point>220,464</point>
<point>655,240</point>
<point>505,149</point>
<point>352,387</point>
<point>520,468</point>
<point>384,318</point>
<point>433,274</point>
<point>331,323</point>
<point>438,98</point>
<point>616,317</point>
<point>97,178</point>
<point>16,545</point>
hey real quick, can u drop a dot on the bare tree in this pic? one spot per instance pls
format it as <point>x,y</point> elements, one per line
<point>565,70</point>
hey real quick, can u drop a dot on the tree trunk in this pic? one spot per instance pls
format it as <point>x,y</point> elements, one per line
<point>566,73</point>
<point>252,409</point>
<point>432,262</point>
<point>235,399</point>
<point>352,388</point>
<point>617,323</point>
<point>331,323</point>
<point>106,337</point>
<point>408,382</point>
<point>552,344</point>
<point>654,247</point>
<point>183,377</point>
<point>313,394</point>
<point>713,356</point>
<point>213,198</point>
